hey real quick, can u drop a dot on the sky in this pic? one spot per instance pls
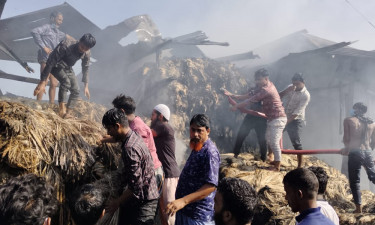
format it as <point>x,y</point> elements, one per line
<point>245,24</point>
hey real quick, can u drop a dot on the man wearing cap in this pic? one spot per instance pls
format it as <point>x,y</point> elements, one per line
<point>295,98</point>
<point>165,148</point>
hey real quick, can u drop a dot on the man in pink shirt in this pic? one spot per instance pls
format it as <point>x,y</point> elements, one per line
<point>274,110</point>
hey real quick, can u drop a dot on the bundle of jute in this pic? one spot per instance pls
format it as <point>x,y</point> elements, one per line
<point>36,140</point>
<point>272,206</point>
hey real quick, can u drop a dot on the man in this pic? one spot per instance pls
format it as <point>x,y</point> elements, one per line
<point>359,140</point>
<point>60,63</point>
<point>47,37</point>
<point>165,147</point>
<point>27,200</point>
<point>139,200</point>
<point>235,201</point>
<point>296,97</point>
<point>196,187</point>
<point>321,202</point>
<point>259,124</point>
<point>87,203</point>
<point>274,110</point>
<point>301,188</point>
<point>127,104</point>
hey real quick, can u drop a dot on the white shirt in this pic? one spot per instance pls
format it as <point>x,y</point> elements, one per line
<point>295,103</point>
<point>327,210</point>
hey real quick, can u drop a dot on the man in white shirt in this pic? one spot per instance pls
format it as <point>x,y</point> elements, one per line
<point>295,98</point>
<point>325,207</point>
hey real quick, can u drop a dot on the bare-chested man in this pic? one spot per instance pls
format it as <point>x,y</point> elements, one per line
<point>359,139</point>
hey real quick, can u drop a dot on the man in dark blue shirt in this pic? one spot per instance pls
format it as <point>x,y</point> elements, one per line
<point>196,187</point>
<point>301,187</point>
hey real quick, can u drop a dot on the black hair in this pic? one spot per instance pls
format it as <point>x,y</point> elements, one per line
<point>125,103</point>
<point>54,14</point>
<point>360,110</point>
<point>88,40</point>
<point>88,202</point>
<point>239,197</point>
<point>298,77</point>
<point>261,73</point>
<point>26,199</point>
<point>114,116</point>
<point>322,176</point>
<point>201,120</point>
<point>302,179</point>
<point>158,113</point>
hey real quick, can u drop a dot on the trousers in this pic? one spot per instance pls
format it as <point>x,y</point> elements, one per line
<point>358,158</point>
<point>257,123</point>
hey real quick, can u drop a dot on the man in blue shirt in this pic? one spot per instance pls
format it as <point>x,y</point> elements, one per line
<point>301,187</point>
<point>196,187</point>
<point>47,37</point>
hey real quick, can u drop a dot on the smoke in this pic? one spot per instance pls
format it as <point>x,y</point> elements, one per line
<point>182,152</point>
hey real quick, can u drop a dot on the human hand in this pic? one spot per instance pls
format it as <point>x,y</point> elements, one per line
<point>47,50</point>
<point>87,92</point>
<point>227,93</point>
<point>40,88</point>
<point>174,206</point>
<point>234,108</point>
<point>344,151</point>
<point>291,88</point>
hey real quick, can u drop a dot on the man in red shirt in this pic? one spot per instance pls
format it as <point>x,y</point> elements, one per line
<point>274,110</point>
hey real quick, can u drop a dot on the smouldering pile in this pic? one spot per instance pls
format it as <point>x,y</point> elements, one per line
<point>63,151</point>
<point>190,86</point>
<point>274,209</point>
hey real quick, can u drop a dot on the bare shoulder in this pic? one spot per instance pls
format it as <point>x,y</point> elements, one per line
<point>350,120</point>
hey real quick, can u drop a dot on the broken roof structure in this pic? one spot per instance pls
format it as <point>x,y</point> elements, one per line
<point>18,44</point>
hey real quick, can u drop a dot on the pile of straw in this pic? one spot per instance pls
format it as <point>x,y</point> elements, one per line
<point>274,209</point>
<point>64,151</point>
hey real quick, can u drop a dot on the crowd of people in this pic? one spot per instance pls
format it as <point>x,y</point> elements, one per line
<point>151,180</point>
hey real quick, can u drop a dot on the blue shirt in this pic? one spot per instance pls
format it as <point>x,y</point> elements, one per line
<point>202,167</point>
<point>48,36</point>
<point>313,216</point>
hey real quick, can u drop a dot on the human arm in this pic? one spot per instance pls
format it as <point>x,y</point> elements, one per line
<point>106,139</point>
<point>180,203</point>
<point>346,138</point>
<point>238,97</point>
<point>154,133</point>
<point>290,88</point>
<point>56,55</point>
<point>115,203</point>
<point>85,73</point>
<point>37,33</point>
<point>372,142</point>
<point>257,97</point>
<point>210,177</point>
<point>291,118</point>
<point>52,60</point>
